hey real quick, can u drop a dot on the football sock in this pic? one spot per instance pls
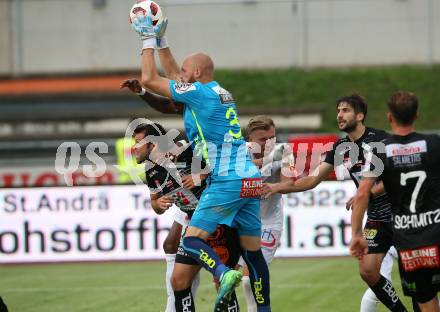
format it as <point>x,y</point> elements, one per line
<point>3,307</point>
<point>184,301</point>
<point>386,293</point>
<point>259,278</point>
<point>248,294</point>
<point>233,303</point>
<point>195,285</point>
<point>170,258</point>
<point>204,255</point>
<point>369,301</point>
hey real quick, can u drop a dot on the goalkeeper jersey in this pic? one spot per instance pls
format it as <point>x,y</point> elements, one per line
<point>212,126</point>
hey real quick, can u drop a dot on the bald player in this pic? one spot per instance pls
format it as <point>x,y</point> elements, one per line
<point>232,195</point>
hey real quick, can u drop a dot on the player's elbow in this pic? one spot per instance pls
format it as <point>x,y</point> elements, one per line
<point>147,81</point>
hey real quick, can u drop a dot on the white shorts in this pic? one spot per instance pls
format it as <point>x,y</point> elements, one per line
<point>387,263</point>
<point>179,216</point>
<point>270,240</point>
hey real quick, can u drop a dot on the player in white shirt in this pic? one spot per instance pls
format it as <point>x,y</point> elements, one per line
<point>271,160</point>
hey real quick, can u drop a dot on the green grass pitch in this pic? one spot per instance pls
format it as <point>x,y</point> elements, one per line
<point>319,284</point>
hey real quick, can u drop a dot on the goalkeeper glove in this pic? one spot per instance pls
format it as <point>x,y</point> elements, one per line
<point>162,41</point>
<point>143,25</point>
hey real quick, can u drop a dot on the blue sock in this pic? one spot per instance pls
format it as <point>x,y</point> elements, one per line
<point>259,277</point>
<point>204,255</point>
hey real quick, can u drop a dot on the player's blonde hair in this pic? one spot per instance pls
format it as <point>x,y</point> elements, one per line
<point>259,122</point>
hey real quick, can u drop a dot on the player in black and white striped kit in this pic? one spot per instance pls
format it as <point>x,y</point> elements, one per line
<point>348,154</point>
<point>409,166</point>
<point>165,190</point>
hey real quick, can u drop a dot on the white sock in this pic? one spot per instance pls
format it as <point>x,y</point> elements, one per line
<point>369,301</point>
<point>170,258</point>
<point>248,295</point>
<point>195,285</point>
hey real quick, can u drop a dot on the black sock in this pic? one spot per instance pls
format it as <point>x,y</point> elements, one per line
<point>386,293</point>
<point>233,303</point>
<point>183,300</point>
<point>415,305</point>
<point>259,278</point>
<point>4,308</point>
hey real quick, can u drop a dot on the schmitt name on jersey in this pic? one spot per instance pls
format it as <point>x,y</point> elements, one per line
<point>416,220</point>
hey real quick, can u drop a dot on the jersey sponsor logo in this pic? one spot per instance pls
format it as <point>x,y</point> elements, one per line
<point>251,187</point>
<point>258,287</point>
<point>268,240</point>
<point>390,291</point>
<point>370,233</point>
<point>182,87</point>
<point>225,96</point>
<point>420,258</point>
<point>234,307</point>
<point>206,259</point>
<point>186,304</point>
<point>406,149</point>
<point>407,160</point>
<point>416,220</point>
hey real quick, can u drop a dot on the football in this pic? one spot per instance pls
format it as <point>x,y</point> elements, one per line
<point>146,7</point>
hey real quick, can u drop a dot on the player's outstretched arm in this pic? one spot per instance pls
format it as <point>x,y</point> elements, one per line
<point>150,34</point>
<point>358,245</point>
<point>377,190</point>
<point>157,102</point>
<point>169,64</point>
<point>300,185</point>
<point>167,60</point>
<point>150,76</point>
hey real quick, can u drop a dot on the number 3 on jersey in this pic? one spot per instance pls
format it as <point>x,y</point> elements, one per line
<point>233,122</point>
<point>421,176</point>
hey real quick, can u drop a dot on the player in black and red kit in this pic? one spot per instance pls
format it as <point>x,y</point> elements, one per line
<point>409,166</point>
<point>348,154</point>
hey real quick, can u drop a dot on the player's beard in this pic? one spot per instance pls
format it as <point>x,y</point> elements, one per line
<point>141,159</point>
<point>349,126</point>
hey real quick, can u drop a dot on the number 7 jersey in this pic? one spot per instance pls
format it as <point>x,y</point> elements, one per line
<point>212,126</point>
<point>412,180</point>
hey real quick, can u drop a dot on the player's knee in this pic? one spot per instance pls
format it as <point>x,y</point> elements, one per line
<point>169,247</point>
<point>179,282</point>
<point>251,243</point>
<point>370,275</point>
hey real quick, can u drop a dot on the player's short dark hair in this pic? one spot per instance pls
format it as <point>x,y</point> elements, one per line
<point>357,102</point>
<point>154,129</point>
<point>403,105</point>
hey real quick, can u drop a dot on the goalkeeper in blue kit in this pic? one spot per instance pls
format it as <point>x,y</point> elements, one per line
<point>232,196</point>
